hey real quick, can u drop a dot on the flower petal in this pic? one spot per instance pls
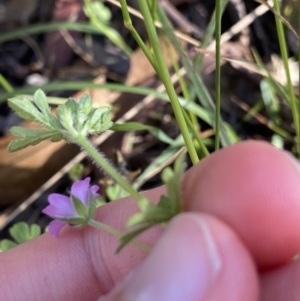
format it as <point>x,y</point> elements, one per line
<point>94,190</point>
<point>60,206</point>
<point>55,227</point>
<point>80,189</point>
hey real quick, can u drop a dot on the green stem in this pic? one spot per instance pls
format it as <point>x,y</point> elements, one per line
<point>181,80</point>
<point>208,36</point>
<point>5,84</point>
<point>153,8</point>
<point>166,79</point>
<point>117,234</point>
<point>284,54</point>
<point>218,72</point>
<point>196,135</point>
<point>102,162</point>
<point>130,27</point>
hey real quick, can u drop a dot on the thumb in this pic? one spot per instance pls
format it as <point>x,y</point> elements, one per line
<point>197,258</point>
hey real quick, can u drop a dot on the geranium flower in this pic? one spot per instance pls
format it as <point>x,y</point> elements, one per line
<point>76,210</point>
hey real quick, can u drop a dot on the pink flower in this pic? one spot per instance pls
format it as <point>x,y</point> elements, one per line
<point>77,209</point>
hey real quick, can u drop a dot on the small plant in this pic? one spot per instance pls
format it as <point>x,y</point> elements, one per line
<point>20,233</point>
<point>75,122</point>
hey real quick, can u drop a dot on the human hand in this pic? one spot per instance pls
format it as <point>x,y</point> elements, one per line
<point>236,242</point>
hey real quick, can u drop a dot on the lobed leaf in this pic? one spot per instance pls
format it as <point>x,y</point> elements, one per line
<point>99,120</point>
<point>115,192</point>
<point>7,244</point>
<point>85,104</point>
<point>40,99</point>
<point>22,232</point>
<point>35,137</point>
<point>65,114</point>
<point>26,110</point>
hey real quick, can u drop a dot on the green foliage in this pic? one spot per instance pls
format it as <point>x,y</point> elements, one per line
<point>270,100</point>
<point>100,202</point>
<point>195,77</point>
<point>40,28</point>
<point>168,206</point>
<point>6,244</point>
<point>115,192</point>
<point>73,119</point>
<point>158,162</point>
<point>136,126</point>
<point>20,232</point>
<point>76,172</point>
<point>99,16</point>
<point>31,137</point>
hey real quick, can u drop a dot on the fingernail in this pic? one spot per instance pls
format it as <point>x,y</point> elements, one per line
<point>182,266</point>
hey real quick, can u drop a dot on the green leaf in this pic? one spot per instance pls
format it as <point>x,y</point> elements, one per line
<point>85,104</point>
<point>19,131</point>
<point>22,232</point>
<point>154,215</point>
<point>115,192</point>
<point>26,110</point>
<point>7,244</point>
<point>35,231</point>
<point>98,120</point>
<point>65,114</point>
<point>40,99</point>
<point>100,202</point>
<point>30,137</point>
<point>136,126</point>
<point>270,100</point>
<point>101,11</point>
<point>172,180</point>
<point>168,206</point>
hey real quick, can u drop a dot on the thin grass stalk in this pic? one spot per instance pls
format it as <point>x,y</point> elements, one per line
<point>196,135</point>
<point>190,117</point>
<point>5,84</point>
<point>166,79</point>
<point>218,72</point>
<point>39,28</point>
<point>136,36</point>
<point>201,91</point>
<point>284,55</point>
<point>181,80</point>
<point>207,36</point>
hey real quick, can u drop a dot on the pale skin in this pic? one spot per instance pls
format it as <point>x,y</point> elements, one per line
<point>243,218</point>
